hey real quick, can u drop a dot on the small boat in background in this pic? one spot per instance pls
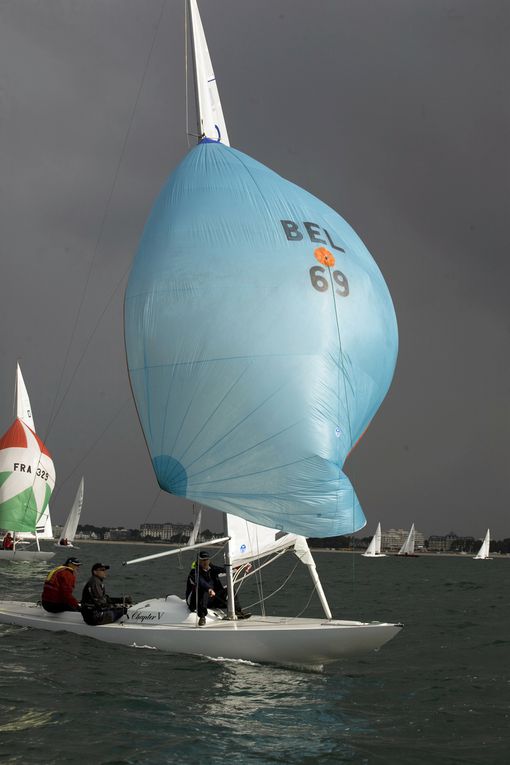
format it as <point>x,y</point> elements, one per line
<point>407,549</point>
<point>483,552</point>
<point>68,532</point>
<point>374,548</point>
<point>29,478</point>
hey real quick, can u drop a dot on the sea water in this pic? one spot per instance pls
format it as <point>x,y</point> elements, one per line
<point>438,693</point>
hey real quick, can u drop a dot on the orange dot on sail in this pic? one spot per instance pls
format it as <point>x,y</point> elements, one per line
<point>324,256</point>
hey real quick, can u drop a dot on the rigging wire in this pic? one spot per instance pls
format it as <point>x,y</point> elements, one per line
<point>261,602</point>
<point>307,602</point>
<point>342,371</point>
<point>53,413</point>
<point>151,508</point>
<point>90,449</point>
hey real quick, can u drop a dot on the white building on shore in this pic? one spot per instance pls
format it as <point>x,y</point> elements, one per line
<point>165,531</point>
<point>393,539</point>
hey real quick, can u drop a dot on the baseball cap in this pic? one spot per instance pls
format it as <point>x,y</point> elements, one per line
<point>74,561</point>
<point>100,565</point>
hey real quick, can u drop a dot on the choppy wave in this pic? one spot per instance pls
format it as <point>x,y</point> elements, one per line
<point>27,721</point>
<point>436,694</point>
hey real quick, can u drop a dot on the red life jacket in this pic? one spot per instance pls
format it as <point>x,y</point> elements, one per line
<point>59,586</point>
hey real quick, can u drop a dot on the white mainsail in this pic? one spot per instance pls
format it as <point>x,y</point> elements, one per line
<point>249,541</point>
<point>211,123</point>
<point>408,546</point>
<point>69,529</point>
<point>44,529</point>
<point>483,552</point>
<point>23,407</point>
<point>374,548</point>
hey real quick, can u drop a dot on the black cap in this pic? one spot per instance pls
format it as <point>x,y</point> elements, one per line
<point>74,561</point>
<point>99,565</point>
<point>204,555</point>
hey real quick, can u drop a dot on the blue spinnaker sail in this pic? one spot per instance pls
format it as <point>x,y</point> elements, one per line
<point>261,339</point>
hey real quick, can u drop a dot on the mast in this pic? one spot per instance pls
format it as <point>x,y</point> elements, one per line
<point>231,612</point>
<point>211,125</point>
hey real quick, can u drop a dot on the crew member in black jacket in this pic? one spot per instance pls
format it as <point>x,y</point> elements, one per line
<point>96,606</point>
<point>211,592</point>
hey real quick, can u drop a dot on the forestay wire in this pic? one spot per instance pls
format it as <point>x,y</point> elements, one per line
<point>347,408</point>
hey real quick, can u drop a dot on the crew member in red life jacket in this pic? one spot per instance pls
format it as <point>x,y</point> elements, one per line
<point>58,588</point>
<point>64,542</point>
<point>8,543</point>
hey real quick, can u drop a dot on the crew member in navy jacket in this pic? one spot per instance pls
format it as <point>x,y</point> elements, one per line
<point>211,592</point>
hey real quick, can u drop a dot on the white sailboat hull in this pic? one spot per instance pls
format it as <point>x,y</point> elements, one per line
<point>26,555</point>
<point>167,625</point>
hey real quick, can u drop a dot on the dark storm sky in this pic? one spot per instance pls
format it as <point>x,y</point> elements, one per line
<point>396,113</point>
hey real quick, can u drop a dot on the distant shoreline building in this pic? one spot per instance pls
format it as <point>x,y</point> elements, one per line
<point>57,530</point>
<point>165,531</point>
<point>393,539</point>
<point>450,543</point>
<point>117,535</point>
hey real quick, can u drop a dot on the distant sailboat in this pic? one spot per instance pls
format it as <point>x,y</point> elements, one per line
<point>68,532</point>
<point>374,548</point>
<point>407,549</point>
<point>483,552</point>
<point>27,478</point>
<point>44,528</point>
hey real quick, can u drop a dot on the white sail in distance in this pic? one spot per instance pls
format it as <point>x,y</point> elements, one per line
<point>24,413</point>
<point>374,548</point>
<point>408,546</point>
<point>69,530</point>
<point>483,552</point>
<point>196,528</point>
<point>23,407</point>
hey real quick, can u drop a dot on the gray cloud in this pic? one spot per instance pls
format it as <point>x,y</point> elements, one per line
<point>395,113</point>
